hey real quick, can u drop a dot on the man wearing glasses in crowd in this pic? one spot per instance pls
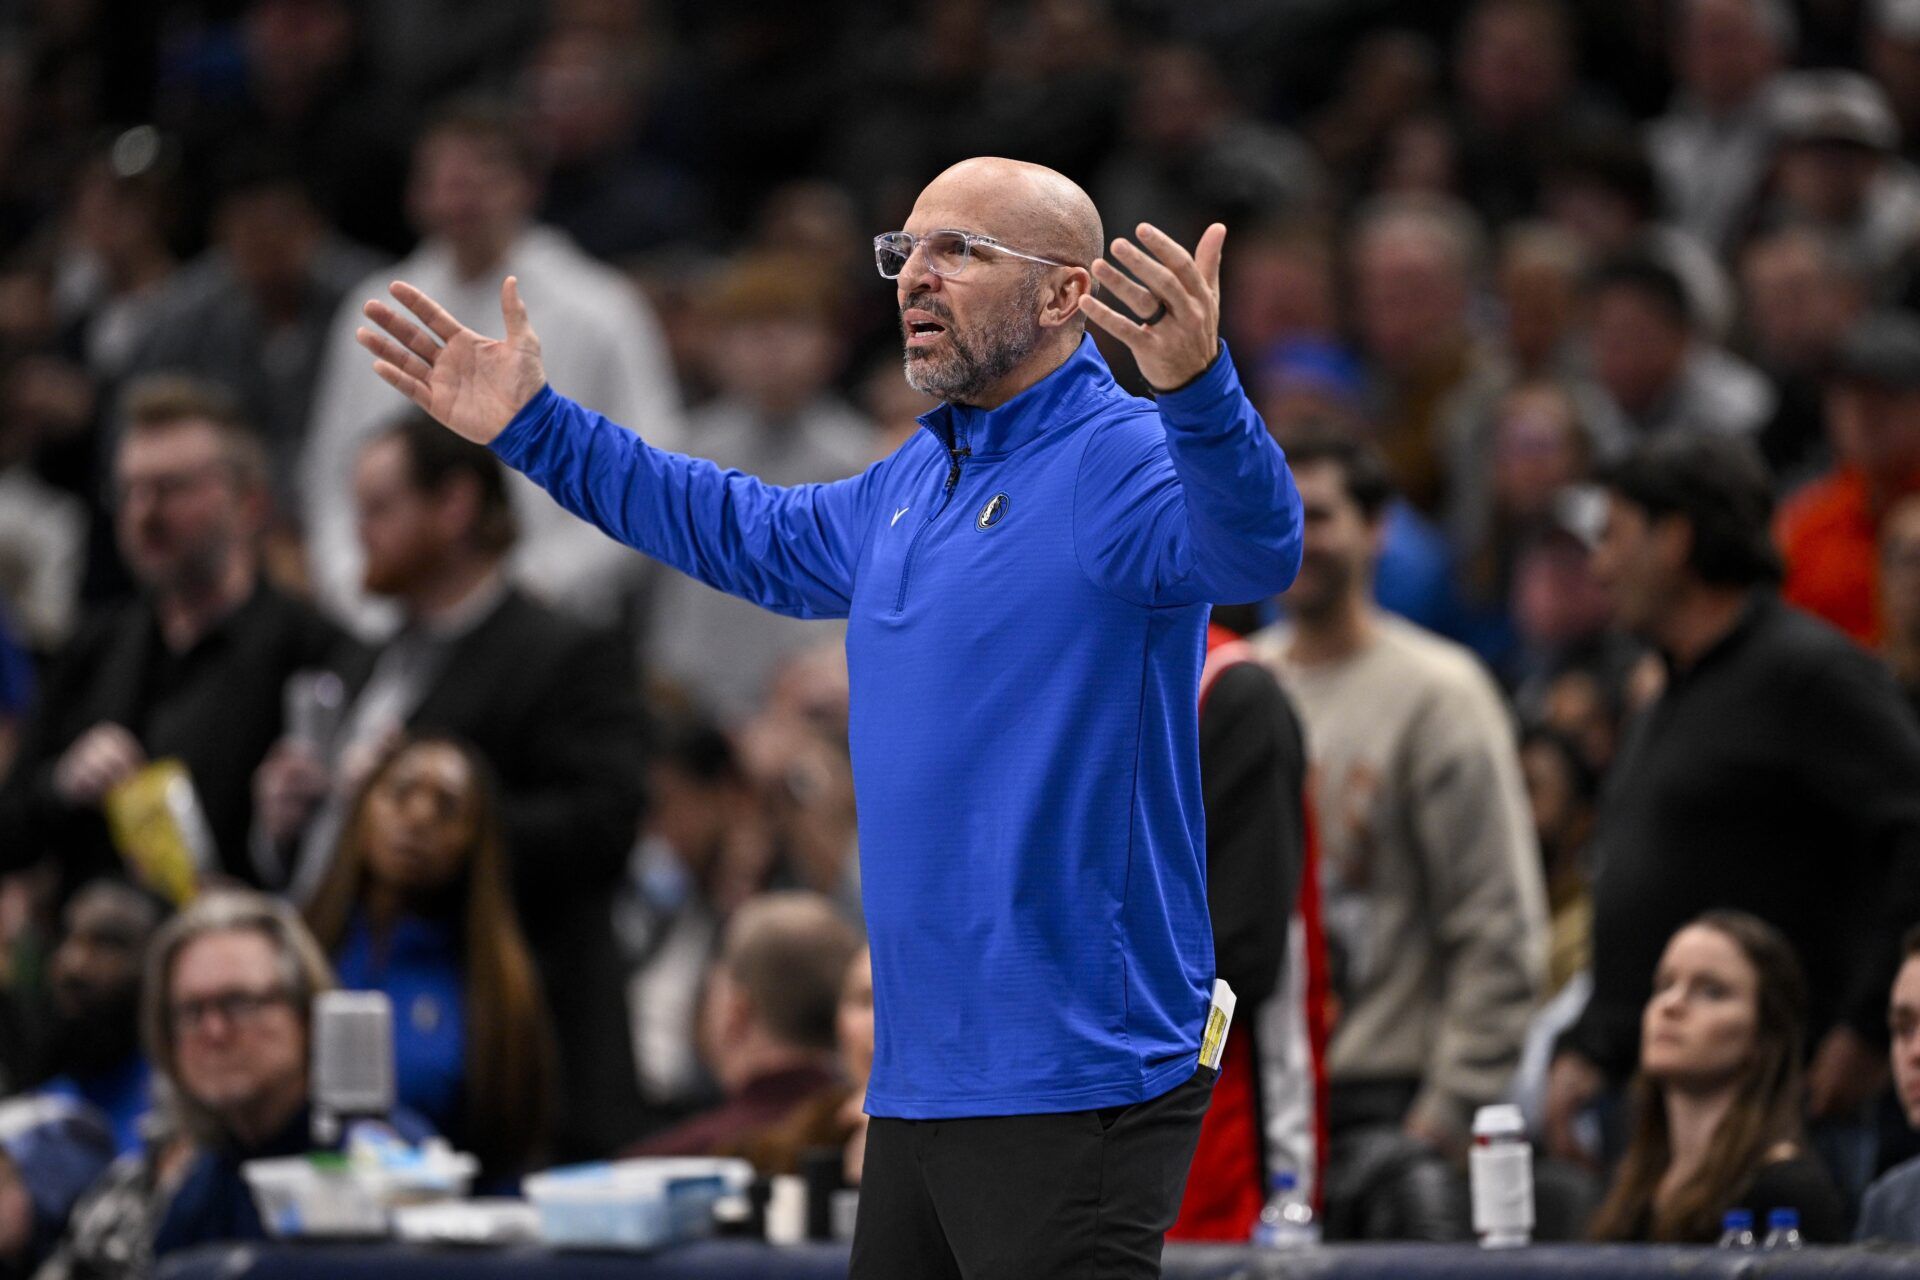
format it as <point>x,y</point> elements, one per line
<point>1026,583</point>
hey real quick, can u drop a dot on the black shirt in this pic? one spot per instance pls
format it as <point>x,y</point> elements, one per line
<point>1779,775</point>
<point>1799,1183</point>
<point>216,706</point>
<point>1253,767</point>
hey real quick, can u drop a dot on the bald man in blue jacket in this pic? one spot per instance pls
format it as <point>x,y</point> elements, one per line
<point>1026,584</point>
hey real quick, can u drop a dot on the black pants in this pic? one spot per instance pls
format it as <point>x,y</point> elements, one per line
<point>1046,1197</point>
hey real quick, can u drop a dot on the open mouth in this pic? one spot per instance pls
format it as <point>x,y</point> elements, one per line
<point>921,329</point>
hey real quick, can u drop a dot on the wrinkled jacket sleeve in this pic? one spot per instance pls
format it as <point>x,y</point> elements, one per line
<point>791,550</point>
<point>1196,507</point>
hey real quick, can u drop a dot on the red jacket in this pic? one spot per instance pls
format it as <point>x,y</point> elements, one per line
<point>1269,1104</point>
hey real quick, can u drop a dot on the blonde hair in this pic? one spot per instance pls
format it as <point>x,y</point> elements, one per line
<point>304,973</point>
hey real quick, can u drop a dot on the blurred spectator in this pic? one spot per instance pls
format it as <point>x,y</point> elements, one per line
<point>51,1151</point>
<point>796,753</point>
<point>1714,145</point>
<point>194,669</point>
<point>675,283</point>
<point>1435,916</point>
<point>767,1021</point>
<point>16,689</point>
<point>1307,384</point>
<point>118,253</point>
<point>431,48</point>
<point>1837,168</point>
<point>699,856</point>
<point>1900,594</point>
<point>252,313</point>
<point>1801,299</point>
<point>892,405</point>
<point>1280,287</point>
<point>225,1012</point>
<point>1891,1208</point>
<point>835,1116</point>
<point>1538,278</point>
<point>1421,158</point>
<point>417,905</point>
<point>912,77</point>
<point>43,531</point>
<point>94,983</point>
<point>1415,262</point>
<point>1716,1101</point>
<point>819,223</point>
<point>853,1027</point>
<point>584,100</point>
<point>1773,736</point>
<point>1891,48</point>
<point>1561,792</point>
<point>1390,75</point>
<point>549,704</point>
<point>1560,614</point>
<point>1603,191</point>
<point>1517,103</point>
<point>1659,373</point>
<point>1054,91</point>
<point>752,93</point>
<point>772,355</point>
<point>305,90</point>
<point>1308,388</point>
<point>472,194</point>
<point>1535,446</point>
<point>1267,1113</point>
<point>1830,530</point>
<point>1190,154</point>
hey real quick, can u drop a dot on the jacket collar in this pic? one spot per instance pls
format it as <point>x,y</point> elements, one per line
<point>1063,396</point>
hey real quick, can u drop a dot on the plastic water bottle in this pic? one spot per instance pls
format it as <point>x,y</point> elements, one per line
<point>1286,1220</point>
<point>1500,1169</point>
<point>1736,1229</point>
<point>1783,1229</point>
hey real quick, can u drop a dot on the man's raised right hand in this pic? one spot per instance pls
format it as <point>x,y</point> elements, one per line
<point>470,383</point>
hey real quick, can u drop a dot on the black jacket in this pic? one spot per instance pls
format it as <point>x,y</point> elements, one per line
<point>1779,775</point>
<point>217,708</point>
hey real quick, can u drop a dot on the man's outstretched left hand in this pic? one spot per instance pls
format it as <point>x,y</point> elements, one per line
<point>1176,294</point>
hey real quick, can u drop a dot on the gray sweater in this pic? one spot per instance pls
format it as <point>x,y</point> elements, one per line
<point>1433,901</point>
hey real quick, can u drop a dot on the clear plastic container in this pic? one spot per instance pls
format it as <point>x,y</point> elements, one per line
<point>632,1204</point>
<point>353,1196</point>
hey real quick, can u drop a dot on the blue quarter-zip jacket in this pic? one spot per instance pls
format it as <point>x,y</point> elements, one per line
<point>1027,591</point>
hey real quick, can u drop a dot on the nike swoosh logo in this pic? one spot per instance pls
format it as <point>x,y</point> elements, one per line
<point>896,516</point>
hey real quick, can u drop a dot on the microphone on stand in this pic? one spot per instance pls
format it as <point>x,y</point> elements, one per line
<point>352,1072</point>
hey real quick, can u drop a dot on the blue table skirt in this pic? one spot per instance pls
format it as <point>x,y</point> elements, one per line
<point>748,1260</point>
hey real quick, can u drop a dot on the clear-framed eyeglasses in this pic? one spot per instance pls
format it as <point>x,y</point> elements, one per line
<point>946,252</point>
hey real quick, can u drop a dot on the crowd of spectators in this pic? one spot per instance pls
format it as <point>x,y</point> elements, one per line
<point>1591,331</point>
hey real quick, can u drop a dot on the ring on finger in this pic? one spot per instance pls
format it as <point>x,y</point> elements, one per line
<point>1159,314</point>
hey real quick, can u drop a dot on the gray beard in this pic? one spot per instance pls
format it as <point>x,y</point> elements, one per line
<point>970,365</point>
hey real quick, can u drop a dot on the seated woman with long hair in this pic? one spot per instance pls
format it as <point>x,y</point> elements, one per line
<point>1717,1100</point>
<point>417,905</point>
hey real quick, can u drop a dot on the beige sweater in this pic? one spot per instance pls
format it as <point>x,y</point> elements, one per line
<point>1431,877</point>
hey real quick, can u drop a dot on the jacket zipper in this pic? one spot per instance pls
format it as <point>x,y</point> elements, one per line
<point>957,456</point>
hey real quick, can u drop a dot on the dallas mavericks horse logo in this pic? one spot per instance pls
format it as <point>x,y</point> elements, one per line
<point>991,514</point>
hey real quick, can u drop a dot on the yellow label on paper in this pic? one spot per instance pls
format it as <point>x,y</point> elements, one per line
<point>1213,1040</point>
